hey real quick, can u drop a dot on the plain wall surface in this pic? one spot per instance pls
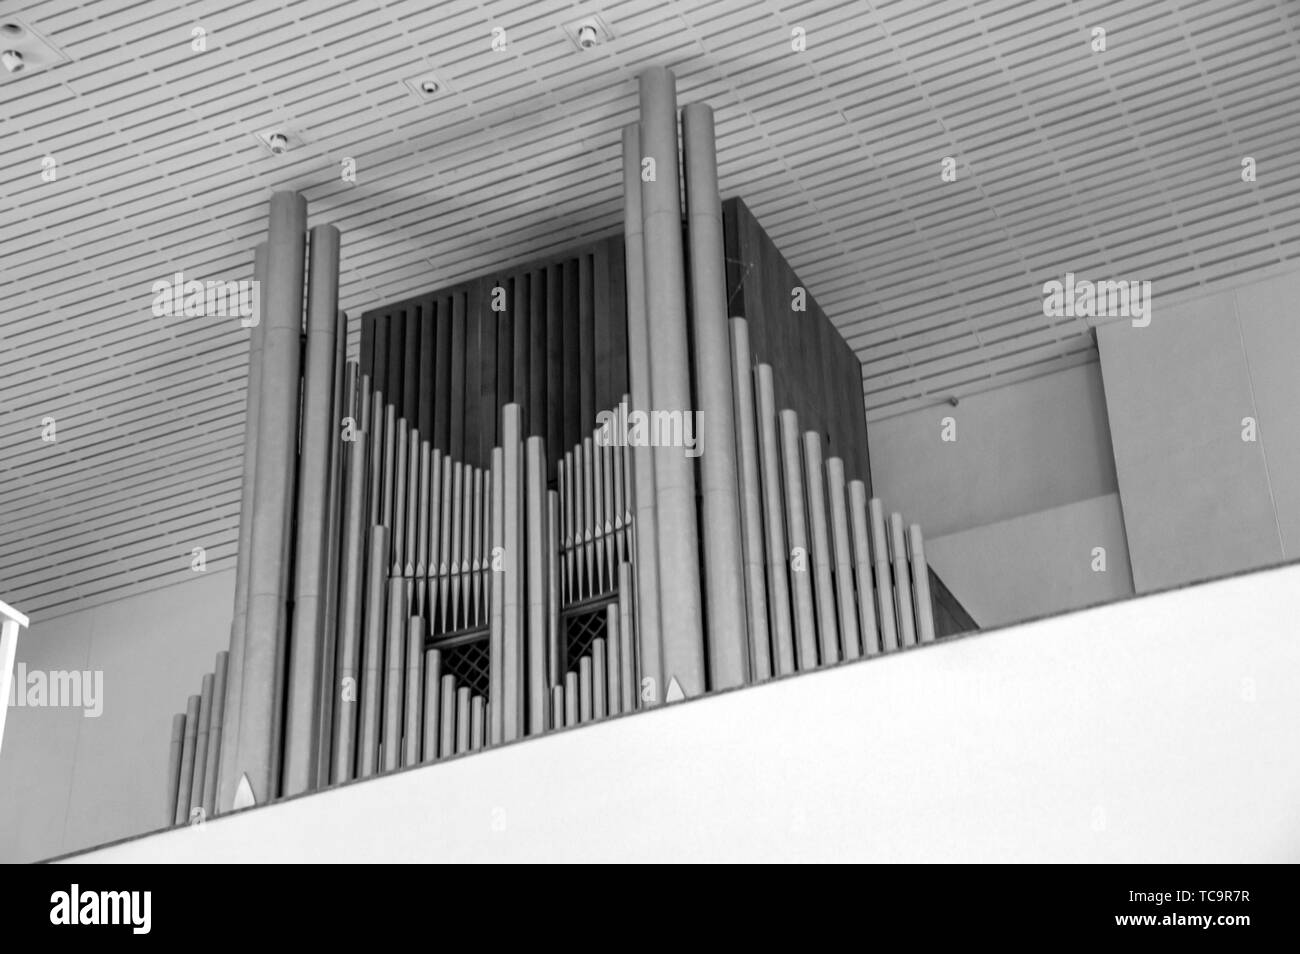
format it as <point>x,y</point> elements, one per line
<point>1031,446</point>
<point>1198,500</point>
<point>68,781</point>
<point>1156,729</point>
<point>1036,564</point>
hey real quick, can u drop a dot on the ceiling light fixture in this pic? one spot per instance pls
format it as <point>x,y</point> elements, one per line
<point>24,51</point>
<point>427,87</point>
<point>589,32</point>
<point>279,139</point>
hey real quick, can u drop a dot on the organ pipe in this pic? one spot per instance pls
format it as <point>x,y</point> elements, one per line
<point>823,588</point>
<point>719,476</point>
<point>311,561</point>
<point>474,507</point>
<point>751,503</point>
<point>777,550</point>
<point>257,764</point>
<point>226,778</point>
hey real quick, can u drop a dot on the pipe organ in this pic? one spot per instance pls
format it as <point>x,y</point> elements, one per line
<point>556,494</point>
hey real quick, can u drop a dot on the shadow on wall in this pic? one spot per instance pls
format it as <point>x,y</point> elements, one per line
<point>70,779</point>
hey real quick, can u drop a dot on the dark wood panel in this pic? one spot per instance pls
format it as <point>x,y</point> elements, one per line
<point>560,349</point>
<point>379,375</point>
<point>586,370</point>
<point>572,365</point>
<point>442,379</point>
<point>554,363</point>
<point>617,317</point>
<point>505,362</point>
<point>535,422</point>
<point>428,374</point>
<point>395,375</point>
<point>600,308</point>
<point>814,371</point>
<point>456,440</point>
<point>411,365</point>
<point>487,402</point>
<point>522,342</point>
<point>475,297</point>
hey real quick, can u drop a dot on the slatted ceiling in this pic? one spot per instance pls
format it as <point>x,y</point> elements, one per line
<point>522,158</point>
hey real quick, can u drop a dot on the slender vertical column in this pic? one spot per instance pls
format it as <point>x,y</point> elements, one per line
<point>552,588</point>
<point>227,774</point>
<point>372,670</point>
<point>181,810</point>
<point>302,719</point>
<point>681,609</point>
<point>862,567</point>
<point>347,667</point>
<point>432,704</point>
<point>595,461</point>
<point>477,716</point>
<point>395,672</point>
<point>375,429</point>
<point>719,471</point>
<point>201,744</point>
<point>614,656</point>
<point>512,656</point>
<point>174,767</point>
<point>642,477</point>
<point>751,502</point>
<point>629,673</point>
<point>571,698</point>
<point>902,585</point>
<point>445,532</point>
<point>414,442</point>
<point>435,536</point>
<point>588,510</point>
<point>585,710</point>
<point>456,527</point>
<point>805,625</point>
<point>557,707</point>
<point>345,398</point>
<point>838,516</point>
<point>496,615</point>
<point>564,472</point>
<point>422,528</point>
<point>535,534</point>
<point>476,547</point>
<point>884,588</point>
<point>823,587</point>
<point>462,720</point>
<point>258,762</point>
<point>599,706</point>
<point>216,726</point>
<point>619,503</point>
<point>921,585</point>
<point>777,552</point>
<point>447,720</point>
<point>398,522</point>
<point>390,464</point>
<point>414,700</point>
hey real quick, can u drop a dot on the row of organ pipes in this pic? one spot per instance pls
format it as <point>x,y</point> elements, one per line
<point>369,561</point>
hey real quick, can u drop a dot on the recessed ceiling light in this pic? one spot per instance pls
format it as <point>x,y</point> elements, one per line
<point>23,50</point>
<point>279,139</point>
<point>427,87</point>
<point>589,32</point>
